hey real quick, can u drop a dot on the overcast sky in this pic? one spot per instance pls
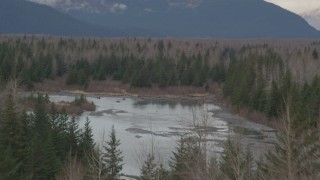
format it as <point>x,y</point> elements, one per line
<point>298,6</point>
<point>309,9</point>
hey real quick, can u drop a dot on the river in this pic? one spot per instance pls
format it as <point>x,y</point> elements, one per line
<point>143,125</point>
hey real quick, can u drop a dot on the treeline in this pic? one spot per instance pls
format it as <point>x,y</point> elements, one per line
<point>249,82</point>
<point>257,75</point>
<point>169,61</point>
<point>75,107</point>
<point>162,72</point>
<point>47,144</point>
<point>34,63</point>
<point>280,81</point>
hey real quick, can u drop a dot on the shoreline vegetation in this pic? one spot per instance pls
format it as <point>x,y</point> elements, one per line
<point>255,76</point>
<point>213,95</point>
<point>72,151</point>
<point>74,108</point>
<point>274,82</point>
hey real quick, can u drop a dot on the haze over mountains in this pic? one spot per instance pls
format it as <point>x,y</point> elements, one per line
<point>308,9</point>
<point>155,18</point>
<point>313,17</point>
<point>22,17</point>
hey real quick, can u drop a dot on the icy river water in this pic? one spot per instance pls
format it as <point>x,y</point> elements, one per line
<point>141,124</point>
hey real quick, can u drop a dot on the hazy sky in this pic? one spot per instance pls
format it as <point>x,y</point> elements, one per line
<point>298,6</point>
<point>309,9</point>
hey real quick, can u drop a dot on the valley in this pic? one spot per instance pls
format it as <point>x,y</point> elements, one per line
<point>189,101</point>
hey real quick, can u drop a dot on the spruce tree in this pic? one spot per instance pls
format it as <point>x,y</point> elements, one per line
<point>10,124</point>
<point>315,54</point>
<point>53,160</point>
<point>296,154</point>
<point>42,150</point>
<point>162,173</point>
<point>148,170</point>
<point>73,134</point>
<point>187,159</point>
<point>86,139</point>
<point>236,164</point>
<point>9,165</point>
<point>274,101</point>
<point>13,133</point>
<point>59,122</point>
<point>112,157</point>
<point>41,119</point>
<point>53,117</point>
<point>178,161</point>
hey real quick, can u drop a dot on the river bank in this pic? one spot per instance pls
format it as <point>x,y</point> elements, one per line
<point>142,118</point>
<point>109,87</point>
<point>143,124</point>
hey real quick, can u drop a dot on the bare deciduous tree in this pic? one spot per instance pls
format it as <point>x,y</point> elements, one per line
<point>73,170</point>
<point>296,155</point>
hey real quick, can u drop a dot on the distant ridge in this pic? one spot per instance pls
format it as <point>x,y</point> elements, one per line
<point>23,17</point>
<point>210,18</point>
<point>234,19</point>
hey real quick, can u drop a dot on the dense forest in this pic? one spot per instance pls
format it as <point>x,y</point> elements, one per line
<point>260,75</point>
<point>277,78</point>
<point>47,144</point>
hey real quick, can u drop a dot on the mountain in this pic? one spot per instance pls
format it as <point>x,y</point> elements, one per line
<point>156,18</point>
<point>195,18</point>
<point>313,17</point>
<point>22,17</point>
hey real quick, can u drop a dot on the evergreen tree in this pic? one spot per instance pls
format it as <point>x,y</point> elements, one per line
<point>141,78</point>
<point>73,134</point>
<point>86,139</point>
<point>274,102</point>
<point>177,162</point>
<point>61,66</point>
<point>53,117</point>
<point>41,119</point>
<point>236,164</point>
<point>9,165</point>
<point>148,169</point>
<point>42,151</point>
<point>72,77</point>
<point>59,123</point>
<point>112,156</point>
<point>53,162</point>
<point>296,155</point>
<point>151,171</point>
<point>187,159</point>
<point>258,96</point>
<point>315,54</point>
<point>13,133</point>
<point>218,72</point>
<point>9,124</point>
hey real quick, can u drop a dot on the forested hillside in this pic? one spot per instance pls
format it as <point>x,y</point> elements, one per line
<point>277,78</point>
